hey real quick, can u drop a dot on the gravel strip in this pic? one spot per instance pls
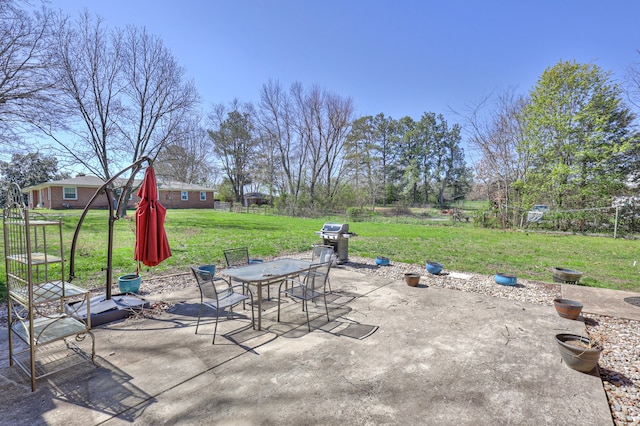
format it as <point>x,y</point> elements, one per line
<point>619,363</point>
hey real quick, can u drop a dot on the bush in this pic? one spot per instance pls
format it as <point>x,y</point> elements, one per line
<point>355,214</point>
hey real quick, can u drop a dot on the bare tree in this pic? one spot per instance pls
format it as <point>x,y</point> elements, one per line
<point>120,95</point>
<point>87,62</point>
<point>632,83</point>
<point>338,113</point>
<point>305,133</point>
<point>23,70</point>
<point>157,100</point>
<point>187,159</point>
<point>496,138</point>
<point>323,120</point>
<point>279,124</point>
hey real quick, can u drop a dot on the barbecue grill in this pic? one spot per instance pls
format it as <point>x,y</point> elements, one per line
<point>337,236</point>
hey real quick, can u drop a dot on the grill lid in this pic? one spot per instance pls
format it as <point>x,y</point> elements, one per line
<point>336,227</point>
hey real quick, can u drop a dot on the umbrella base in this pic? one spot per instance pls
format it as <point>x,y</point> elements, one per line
<point>105,310</point>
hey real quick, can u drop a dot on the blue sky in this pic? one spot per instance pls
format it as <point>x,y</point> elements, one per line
<point>395,57</point>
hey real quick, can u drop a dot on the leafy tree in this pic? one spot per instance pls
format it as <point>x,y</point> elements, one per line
<point>387,139</point>
<point>425,132</point>
<point>234,143</point>
<point>361,161</point>
<point>576,126</point>
<point>450,172</point>
<point>28,170</point>
<point>431,158</point>
<point>408,167</point>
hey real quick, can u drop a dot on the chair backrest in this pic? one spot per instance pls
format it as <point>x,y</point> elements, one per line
<point>321,253</point>
<point>237,256</point>
<point>316,279</point>
<point>205,283</point>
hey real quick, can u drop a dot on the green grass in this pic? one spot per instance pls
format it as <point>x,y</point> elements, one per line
<point>200,236</point>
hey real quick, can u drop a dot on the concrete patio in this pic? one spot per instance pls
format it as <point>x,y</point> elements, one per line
<point>391,354</point>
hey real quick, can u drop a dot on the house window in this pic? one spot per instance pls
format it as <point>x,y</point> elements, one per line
<point>119,191</point>
<point>70,193</point>
<point>203,196</point>
<point>184,196</point>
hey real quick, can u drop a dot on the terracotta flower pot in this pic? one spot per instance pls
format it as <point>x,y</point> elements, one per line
<point>577,352</point>
<point>568,308</point>
<point>412,279</point>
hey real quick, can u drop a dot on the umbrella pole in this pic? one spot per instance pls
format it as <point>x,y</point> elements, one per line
<point>135,167</point>
<point>112,219</point>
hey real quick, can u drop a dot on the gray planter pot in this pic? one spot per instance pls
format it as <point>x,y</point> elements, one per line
<point>576,352</point>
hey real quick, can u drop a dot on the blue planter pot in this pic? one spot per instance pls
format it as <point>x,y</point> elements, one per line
<point>129,283</point>
<point>382,261</point>
<point>434,267</point>
<point>209,268</point>
<point>506,279</point>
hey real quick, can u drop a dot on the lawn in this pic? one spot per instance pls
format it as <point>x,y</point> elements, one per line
<point>199,236</point>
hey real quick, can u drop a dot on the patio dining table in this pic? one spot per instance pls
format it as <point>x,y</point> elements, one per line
<point>267,273</point>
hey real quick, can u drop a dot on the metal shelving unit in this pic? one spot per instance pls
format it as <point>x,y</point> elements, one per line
<point>38,296</point>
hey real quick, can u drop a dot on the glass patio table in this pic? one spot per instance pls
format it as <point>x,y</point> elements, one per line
<point>267,273</point>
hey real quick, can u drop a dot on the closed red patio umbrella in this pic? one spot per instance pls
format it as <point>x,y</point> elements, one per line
<point>152,246</point>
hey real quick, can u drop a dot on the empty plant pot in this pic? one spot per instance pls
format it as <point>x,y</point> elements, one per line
<point>568,308</point>
<point>434,267</point>
<point>578,352</point>
<point>564,275</point>
<point>129,283</point>
<point>412,278</point>
<point>382,261</point>
<point>209,268</point>
<point>505,279</point>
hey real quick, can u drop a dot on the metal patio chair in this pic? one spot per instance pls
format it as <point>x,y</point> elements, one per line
<point>236,257</point>
<point>320,254</point>
<point>312,286</point>
<point>224,298</point>
<point>240,257</point>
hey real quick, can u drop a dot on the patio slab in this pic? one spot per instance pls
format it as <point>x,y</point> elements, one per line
<point>604,301</point>
<point>391,354</point>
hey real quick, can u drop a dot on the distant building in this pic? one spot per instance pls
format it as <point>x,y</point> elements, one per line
<point>75,193</point>
<point>256,198</point>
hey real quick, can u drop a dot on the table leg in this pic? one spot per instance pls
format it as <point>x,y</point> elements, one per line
<point>259,306</point>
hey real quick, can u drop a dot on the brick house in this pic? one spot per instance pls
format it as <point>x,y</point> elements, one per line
<point>75,193</point>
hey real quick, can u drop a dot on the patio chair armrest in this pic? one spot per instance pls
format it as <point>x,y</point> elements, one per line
<point>292,281</point>
<point>242,286</point>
